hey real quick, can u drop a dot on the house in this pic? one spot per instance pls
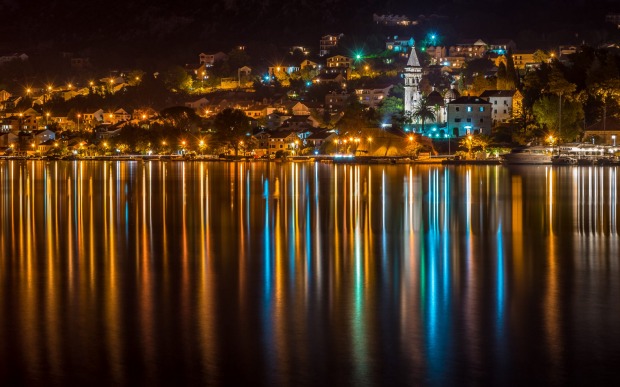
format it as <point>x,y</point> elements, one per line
<point>93,116</point>
<point>470,49</point>
<point>399,45</point>
<point>308,63</point>
<point>469,115</point>
<point>11,57</point>
<point>336,101</point>
<point>298,123</point>
<point>10,124</point>
<point>607,131</point>
<point>198,105</point>
<point>317,139</point>
<point>210,59</point>
<point>502,46</point>
<point>106,131</point>
<point>503,103</point>
<point>244,73</point>
<point>448,57</point>
<point>283,140</point>
<point>328,43</point>
<point>304,108</point>
<point>61,119</point>
<point>392,20</point>
<point>5,95</point>
<point>121,115</point>
<point>339,61</point>
<point>275,120</point>
<point>41,136</point>
<point>283,70</point>
<point>46,146</point>
<point>372,97</point>
<point>524,60</point>
<point>329,78</point>
<point>256,111</point>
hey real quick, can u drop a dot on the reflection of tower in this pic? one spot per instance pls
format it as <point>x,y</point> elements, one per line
<point>413,76</point>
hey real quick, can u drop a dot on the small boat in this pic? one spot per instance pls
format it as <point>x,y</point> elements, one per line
<point>528,155</point>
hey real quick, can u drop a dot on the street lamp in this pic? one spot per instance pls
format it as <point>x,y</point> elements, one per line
<point>613,138</point>
<point>78,117</point>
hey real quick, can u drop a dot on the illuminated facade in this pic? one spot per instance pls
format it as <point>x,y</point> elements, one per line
<point>413,76</point>
<point>469,115</point>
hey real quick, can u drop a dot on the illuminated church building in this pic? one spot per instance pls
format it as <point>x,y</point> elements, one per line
<point>413,77</point>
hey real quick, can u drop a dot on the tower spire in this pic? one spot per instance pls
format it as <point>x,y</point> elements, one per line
<point>413,76</point>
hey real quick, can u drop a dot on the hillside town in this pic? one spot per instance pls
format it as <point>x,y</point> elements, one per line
<point>477,97</point>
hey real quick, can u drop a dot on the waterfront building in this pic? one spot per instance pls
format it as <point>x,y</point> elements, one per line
<point>469,115</point>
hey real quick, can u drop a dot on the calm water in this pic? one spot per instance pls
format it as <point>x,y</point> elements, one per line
<point>126,273</point>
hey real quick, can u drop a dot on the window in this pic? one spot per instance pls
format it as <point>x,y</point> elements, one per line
<point>495,111</point>
<point>505,111</point>
<point>457,120</point>
<point>469,108</point>
<point>469,120</point>
<point>495,102</point>
<point>481,120</point>
<point>481,108</point>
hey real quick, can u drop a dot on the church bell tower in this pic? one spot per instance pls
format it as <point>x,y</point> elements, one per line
<point>413,76</point>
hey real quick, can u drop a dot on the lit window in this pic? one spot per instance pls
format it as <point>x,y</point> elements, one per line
<point>469,108</point>
<point>481,108</point>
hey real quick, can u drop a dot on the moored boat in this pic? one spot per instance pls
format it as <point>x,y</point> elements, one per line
<point>528,155</point>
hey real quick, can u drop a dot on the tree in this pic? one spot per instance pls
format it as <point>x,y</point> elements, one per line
<point>232,127</point>
<point>181,117</point>
<point>603,83</point>
<point>501,77</point>
<point>423,112</point>
<point>176,78</point>
<point>467,142</point>
<point>559,86</point>
<point>548,115</point>
<point>135,77</point>
<point>482,83</point>
<point>540,56</point>
<point>483,141</point>
<point>354,117</point>
<point>511,72</point>
<point>391,109</point>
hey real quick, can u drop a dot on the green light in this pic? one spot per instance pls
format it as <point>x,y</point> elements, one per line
<point>358,56</point>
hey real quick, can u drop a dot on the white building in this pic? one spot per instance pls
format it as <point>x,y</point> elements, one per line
<point>501,103</point>
<point>413,76</point>
<point>372,97</point>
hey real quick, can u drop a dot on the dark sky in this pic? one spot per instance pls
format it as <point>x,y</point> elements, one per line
<point>79,24</point>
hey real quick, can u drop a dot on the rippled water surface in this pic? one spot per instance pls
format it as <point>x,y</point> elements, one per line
<point>150,273</point>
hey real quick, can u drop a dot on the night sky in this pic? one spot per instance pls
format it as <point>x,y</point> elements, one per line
<point>147,25</point>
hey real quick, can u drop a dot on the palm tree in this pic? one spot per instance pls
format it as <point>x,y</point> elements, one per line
<point>423,112</point>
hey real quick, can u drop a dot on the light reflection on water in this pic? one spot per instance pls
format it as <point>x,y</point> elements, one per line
<point>307,274</point>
